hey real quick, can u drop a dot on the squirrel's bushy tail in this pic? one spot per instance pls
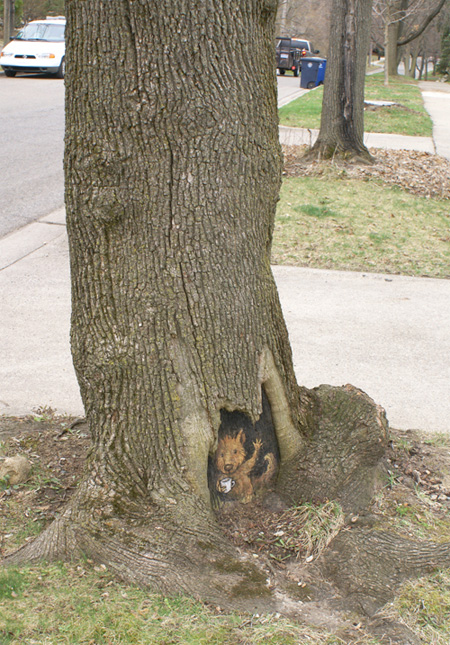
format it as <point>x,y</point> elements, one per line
<point>270,470</point>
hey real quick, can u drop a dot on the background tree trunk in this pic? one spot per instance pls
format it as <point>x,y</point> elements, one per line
<point>283,15</point>
<point>9,9</point>
<point>394,9</point>
<point>391,48</point>
<point>342,122</point>
<point>397,13</point>
<point>387,51</point>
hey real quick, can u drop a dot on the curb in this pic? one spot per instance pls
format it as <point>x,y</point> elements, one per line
<point>301,136</point>
<point>28,239</point>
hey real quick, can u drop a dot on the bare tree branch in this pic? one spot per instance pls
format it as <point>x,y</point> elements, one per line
<point>392,12</point>
<point>417,31</point>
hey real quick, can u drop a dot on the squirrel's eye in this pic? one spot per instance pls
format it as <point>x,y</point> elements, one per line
<point>235,452</point>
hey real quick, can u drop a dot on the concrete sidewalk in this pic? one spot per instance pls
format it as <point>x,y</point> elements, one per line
<point>36,366</point>
<point>388,335</point>
<point>301,136</point>
<point>436,98</point>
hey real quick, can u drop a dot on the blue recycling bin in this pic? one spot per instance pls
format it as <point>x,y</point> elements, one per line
<point>313,72</point>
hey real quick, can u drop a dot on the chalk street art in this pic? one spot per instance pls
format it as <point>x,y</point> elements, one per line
<point>246,459</point>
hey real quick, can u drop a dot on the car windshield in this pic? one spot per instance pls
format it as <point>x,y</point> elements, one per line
<point>292,43</point>
<point>300,44</point>
<point>42,31</point>
<point>283,42</point>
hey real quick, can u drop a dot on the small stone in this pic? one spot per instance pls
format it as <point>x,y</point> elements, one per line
<point>16,469</point>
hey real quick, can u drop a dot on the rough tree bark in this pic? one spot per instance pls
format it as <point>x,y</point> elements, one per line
<point>172,174</point>
<point>342,123</point>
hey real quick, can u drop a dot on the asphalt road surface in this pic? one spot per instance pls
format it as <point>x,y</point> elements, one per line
<point>288,88</point>
<point>32,146</point>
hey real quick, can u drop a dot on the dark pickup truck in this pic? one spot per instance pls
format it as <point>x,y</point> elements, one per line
<point>289,53</point>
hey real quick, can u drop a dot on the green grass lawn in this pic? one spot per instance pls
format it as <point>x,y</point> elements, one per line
<point>349,224</point>
<point>409,117</point>
<point>82,605</point>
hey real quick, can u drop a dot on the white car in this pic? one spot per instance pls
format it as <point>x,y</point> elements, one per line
<point>38,47</point>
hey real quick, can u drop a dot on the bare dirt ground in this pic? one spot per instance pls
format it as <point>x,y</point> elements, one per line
<point>413,503</point>
<point>415,495</point>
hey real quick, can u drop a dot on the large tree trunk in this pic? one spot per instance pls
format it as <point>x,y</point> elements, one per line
<point>342,123</point>
<point>173,167</point>
<point>172,174</point>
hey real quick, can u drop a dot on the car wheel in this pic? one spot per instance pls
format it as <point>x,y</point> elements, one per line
<point>10,73</point>
<point>62,69</point>
<point>311,84</point>
<point>296,72</point>
<point>281,72</point>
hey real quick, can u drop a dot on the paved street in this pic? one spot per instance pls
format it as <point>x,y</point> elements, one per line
<point>288,89</point>
<point>32,136</point>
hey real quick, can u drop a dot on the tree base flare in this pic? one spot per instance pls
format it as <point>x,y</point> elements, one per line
<point>360,567</point>
<point>173,542</point>
<point>323,151</point>
<point>156,553</point>
<point>342,459</point>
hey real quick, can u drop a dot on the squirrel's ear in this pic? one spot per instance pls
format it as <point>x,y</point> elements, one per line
<point>241,436</point>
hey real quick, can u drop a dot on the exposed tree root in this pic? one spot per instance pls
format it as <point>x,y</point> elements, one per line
<point>361,571</point>
<point>368,566</point>
<point>342,459</point>
<point>58,542</point>
<point>177,546</point>
<point>156,552</point>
